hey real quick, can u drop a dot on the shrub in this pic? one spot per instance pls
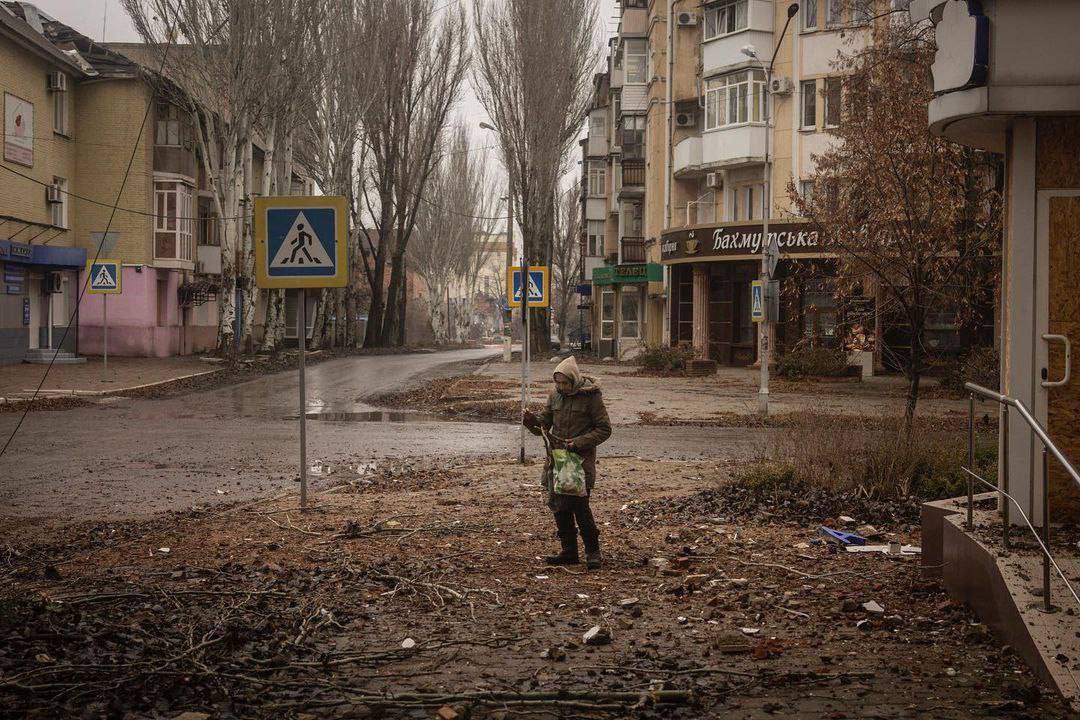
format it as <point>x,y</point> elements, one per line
<point>665,358</point>
<point>806,360</point>
<point>980,366</point>
<point>831,452</point>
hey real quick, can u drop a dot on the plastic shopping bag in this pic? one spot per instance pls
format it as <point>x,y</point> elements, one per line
<point>568,473</point>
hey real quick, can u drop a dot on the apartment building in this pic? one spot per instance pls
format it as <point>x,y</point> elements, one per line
<point>58,186</point>
<point>40,259</point>
<point>684,109</point>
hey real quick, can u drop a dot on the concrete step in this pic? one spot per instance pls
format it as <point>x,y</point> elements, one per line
<point>43,356</point>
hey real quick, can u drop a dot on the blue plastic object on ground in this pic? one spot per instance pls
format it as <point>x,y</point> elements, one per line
<point>842,538</point>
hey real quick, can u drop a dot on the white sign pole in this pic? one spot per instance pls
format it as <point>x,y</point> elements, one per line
<point>105,320</point>
<point>301,334</point>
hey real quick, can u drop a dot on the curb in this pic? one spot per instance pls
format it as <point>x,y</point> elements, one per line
<point>120,391</point>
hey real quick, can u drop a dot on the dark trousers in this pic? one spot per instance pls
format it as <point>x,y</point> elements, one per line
<point>575,516</point>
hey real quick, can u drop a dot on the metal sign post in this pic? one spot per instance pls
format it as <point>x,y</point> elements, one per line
<point>301,334</point>
<point>527,287</point>
<point>300,242</point>
<point>104,277</point>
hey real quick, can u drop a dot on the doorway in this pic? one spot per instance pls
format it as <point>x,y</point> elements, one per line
<point>36,294</point>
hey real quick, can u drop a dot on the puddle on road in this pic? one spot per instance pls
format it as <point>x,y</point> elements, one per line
<point>376,416</point>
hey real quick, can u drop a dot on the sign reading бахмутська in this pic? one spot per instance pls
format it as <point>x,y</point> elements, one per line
<point>738,239</point>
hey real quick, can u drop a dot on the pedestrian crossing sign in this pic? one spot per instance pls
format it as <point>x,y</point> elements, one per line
<point>300,242</point>
<point>539,286</point>
<point>757,301</point>
<point>104,277</point>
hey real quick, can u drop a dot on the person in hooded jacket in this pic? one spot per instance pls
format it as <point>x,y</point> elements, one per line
<point>575,418</point>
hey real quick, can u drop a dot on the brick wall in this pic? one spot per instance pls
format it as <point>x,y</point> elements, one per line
<point>108,119</point>
<point>25,75</point>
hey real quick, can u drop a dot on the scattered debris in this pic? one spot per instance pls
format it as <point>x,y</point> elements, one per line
<point>872,607</point>
<point>749,630</point>
<point>597,635</point>
<point>840,537</point>
<point>408,644</point>
<point>890,549</point>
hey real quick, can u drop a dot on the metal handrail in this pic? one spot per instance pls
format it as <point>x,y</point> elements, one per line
<point>1045,549</point>
<point>1035,425</point>
<point>1049,448</point>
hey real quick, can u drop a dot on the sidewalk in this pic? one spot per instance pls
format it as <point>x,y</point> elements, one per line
<point>91,378</point>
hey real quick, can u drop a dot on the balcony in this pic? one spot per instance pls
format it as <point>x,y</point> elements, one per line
<point>733,146</point>
<point>688,156</point>
<point>725,52</point>
<point>633,173</point>
<point>632,250</point>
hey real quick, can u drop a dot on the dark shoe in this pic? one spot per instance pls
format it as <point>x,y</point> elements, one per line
<point>593,560</point>
<point>563,558</point>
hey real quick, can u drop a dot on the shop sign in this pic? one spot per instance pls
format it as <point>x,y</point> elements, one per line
<point>26,311</point>
<point>738,239</point>
<point>21,251</point>
<point>620,274</point>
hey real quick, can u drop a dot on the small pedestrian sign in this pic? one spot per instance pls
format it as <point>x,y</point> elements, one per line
<point>300,242</point>
<point>539,286</point>
<point>757,301</point>
<point>105,277</point>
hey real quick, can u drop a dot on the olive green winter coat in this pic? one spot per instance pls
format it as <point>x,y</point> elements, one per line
<point>580,417</point>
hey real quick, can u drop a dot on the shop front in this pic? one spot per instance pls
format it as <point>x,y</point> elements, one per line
<point>712,268</point>
<point>40,293</point>
<point>621,299</point>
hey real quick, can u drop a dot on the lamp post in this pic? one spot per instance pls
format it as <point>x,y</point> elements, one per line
<point>769,254</point>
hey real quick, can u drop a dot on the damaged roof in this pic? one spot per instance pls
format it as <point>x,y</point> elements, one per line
<point>94,59</point>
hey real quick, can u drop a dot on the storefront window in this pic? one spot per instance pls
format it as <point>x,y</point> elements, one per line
<point>607,315</point>
<point>819,309</point>
<point>631,308</point>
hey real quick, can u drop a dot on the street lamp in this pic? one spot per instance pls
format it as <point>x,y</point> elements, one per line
<point>769,255</point>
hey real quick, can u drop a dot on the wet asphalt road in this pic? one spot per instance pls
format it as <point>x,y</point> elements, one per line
<point>136,458</point>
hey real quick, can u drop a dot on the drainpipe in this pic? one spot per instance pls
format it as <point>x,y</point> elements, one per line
<point>669,149</point>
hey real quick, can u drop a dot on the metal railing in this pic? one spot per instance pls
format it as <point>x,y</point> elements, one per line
<point>1048,448</point>
<point>633,249</point>
<point>633,173</point>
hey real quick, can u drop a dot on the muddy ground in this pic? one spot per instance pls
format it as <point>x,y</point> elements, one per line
<point>415,589</point>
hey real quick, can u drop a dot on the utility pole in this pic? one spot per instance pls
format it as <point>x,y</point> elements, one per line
<point>769,252</point>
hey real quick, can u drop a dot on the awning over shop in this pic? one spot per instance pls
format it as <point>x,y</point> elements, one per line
<point>43,255</point>
<point>622,274</point>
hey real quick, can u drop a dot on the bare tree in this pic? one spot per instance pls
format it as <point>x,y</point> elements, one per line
<point>421,67</point>
<point>533,75</point>
<point>913,218</point>
<point>220,59</point>
<point>345,40</point>
<point>566,257</point>
<point>454,237</point>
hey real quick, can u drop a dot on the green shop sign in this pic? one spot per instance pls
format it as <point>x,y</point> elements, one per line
<point>619,274</point>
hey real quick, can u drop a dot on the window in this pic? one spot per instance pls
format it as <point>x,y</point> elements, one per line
<point>635,3</point>
<point>208,227</point>
<point>727,18</point>
<point>809,15</point>
<point>629,326</point>
<point>633,137</point>
<point>636,61</point>
<point>595,244</point>
<point>808,98</point>
<point>616,105</point>
<point>597,125</point>
<point>168,126</point>
<point>862,11</point>
<point>597,178</point>
<point>172,220</point>
<point>607,314</point>
<point>59,209</point>
<point>746,202</point>
<point>60,112</point>
<point>806,189</point>
<point>631,217</point>
<point>834,12</point>
<point>734,99</point>
<point>833,94</point>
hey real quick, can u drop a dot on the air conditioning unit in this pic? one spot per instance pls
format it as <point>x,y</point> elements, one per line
<point>781,86</point>
<point>57,81</point>
<point>200,267</point>
<point>686,119</point>
<point>686,19</point>
<point>54,283</point>
<point>53,194</point>
<point>714,179</point>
